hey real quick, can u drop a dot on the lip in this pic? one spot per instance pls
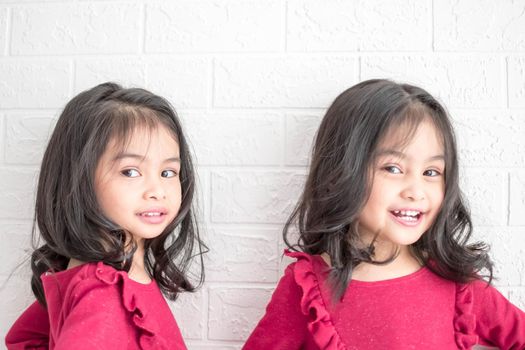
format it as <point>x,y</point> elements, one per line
<point>411,223</point>
<point>153,215</point>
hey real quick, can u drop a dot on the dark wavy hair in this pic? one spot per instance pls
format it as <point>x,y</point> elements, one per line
<point>67,214</point>
<point>339,183</point>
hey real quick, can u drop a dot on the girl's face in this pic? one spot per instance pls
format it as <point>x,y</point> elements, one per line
<point>138,187</point>
<point>407,190</point>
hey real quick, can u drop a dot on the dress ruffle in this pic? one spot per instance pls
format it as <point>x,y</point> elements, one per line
<point>147,326</point>
<point>323,330</point>
<point>320,323</point>
<point>465,319</point>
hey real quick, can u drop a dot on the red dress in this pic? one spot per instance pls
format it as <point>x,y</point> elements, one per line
<point>418,311</point>
<point>94,306</point>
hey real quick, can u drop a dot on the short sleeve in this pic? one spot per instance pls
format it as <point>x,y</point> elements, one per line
<point>283,326</point>
<point>31,330</point>
<point>95,319</point>
<point>498,322</point>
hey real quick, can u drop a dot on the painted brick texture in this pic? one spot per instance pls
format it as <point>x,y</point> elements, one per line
<point>251,80</point>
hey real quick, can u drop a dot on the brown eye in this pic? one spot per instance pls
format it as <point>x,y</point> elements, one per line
<point>392,169</point>
<point>431,173</point>
<point>130,173</point>
<point>168,173</point>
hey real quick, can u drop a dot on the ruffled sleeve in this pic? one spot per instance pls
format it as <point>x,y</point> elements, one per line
<point>484,316</point>
<point>146,325</point>
<point>94,306</point>
<point>313,306</point>
<point>499,323</point>
<point>465,319</point>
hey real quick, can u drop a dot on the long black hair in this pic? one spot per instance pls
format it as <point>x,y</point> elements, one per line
<point>67,214</point>
<point>339,182</point>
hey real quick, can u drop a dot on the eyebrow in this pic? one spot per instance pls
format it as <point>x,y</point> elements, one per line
<point>391,152</point>
<point>141,157</point>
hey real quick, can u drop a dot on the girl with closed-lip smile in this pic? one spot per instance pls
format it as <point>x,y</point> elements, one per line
<point>114,212</point>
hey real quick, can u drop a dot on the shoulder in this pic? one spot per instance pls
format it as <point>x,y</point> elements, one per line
<point>107,301</point>
<point>85,276</point>
<point>308,275</point>
<point>86,284</point>
<point>317,264</point>
<point>306,272</point>
<point>477,292</point>
<point>486,296</point>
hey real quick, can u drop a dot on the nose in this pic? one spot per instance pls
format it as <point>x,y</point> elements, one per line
<point>154,190</point>
<point>413,190</point>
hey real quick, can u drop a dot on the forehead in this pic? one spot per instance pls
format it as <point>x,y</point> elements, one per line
<point>143,137</point>
<point>400,135</point>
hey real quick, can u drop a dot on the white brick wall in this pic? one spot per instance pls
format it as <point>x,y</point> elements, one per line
<point>251,80</point>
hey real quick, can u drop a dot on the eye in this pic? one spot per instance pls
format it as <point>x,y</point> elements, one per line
<point>130,173</point>
<point>431,173</point>
<point>392,169</point>
<point>168,173</point>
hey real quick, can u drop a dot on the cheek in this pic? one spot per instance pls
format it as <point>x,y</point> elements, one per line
<point>380,195</point>
<point>176,195</point>
<point>438,195</point>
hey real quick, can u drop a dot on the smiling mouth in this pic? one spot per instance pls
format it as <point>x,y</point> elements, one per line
<point>153,217</point>
<point>407,215</point>
<point>151,214</point>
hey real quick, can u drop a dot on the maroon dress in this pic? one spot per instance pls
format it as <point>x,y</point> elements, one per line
<point>94,306</point>
<point>417,311</point>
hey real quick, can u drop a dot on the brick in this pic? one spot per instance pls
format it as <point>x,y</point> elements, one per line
<point>2,138</point>
<point>203,198</point>
<point>26,137</point>
<point>188,310</point>
<point>517,297</point>
<point>4,13</point>
<point>287,81</point>
<point>254,196</point>
<point>300,133</point>
<point>490,139</point>
<point>193,346</point>
<point>16,247</point>
<point>28,1</point>
<point>250,138</point>
<point>284,260</point>
<point>473,25</point>
<point>338,25</point>
<point>234,312</point>
<point>129,72</point>
<point>458,81</point>
<point>17,193</point>
<point>517,198</point>
<point>516,76</point>
<point>184,82</point>
<point>15,297</point>
<point>486,192</point>
<point>53,29</point>
<point>507,251</point>
<point>242,255</point>
<point>214,26</point>
<point>34,83</point>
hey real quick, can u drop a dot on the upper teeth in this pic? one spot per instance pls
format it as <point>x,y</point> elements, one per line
<point>151,214</point>
<point>407,212</point>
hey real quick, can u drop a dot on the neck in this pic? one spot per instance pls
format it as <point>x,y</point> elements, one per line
<point>138,272</point>
<point>404,264</point>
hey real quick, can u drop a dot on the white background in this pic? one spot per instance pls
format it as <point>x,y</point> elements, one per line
<point>251,80</point>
